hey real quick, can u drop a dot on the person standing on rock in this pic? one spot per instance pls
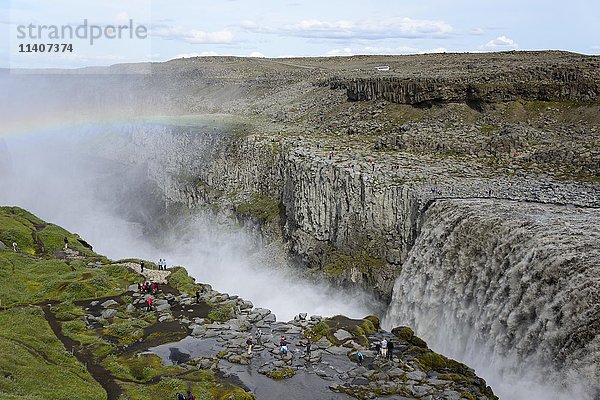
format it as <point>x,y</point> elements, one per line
<point>15,247</point>
<point>283,349</point>
<point>377,349</point>
<point>197,296</point>
<point>384,349</point>
<point>250,343</point>
<point>164,263</point>
<point>142,267</point>
<point>259,336</point>
<point>390,350</point>
<point>359,358</point>
<point>66,240</point>
<point>149,303</point>
<point>308,344</point>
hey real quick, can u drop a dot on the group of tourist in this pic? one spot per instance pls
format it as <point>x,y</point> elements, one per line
<point>188,396</point>
<point>148,287</point>
<point>162,264</point>
<point>384,349</point>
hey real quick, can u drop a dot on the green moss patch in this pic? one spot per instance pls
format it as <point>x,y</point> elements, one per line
<point>181,281</point>
<point>359,328</point>
<point>281,373</point>
<point>221,313</point>
<point>261,207</point>
<point>30,280</point>
<point>338,263</point>
<point>407,335</point>
<point>30,351</point>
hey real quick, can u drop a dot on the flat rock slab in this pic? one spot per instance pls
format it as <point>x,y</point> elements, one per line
<point>109,313</point>
<point>109,303</point>
<point>342,335</point>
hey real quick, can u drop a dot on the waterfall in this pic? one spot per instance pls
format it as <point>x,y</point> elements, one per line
<point>510,288</point>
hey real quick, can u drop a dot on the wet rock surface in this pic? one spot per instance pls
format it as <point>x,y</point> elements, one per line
<point>330,371</point>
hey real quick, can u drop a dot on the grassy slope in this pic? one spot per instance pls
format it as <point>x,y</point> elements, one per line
<point>34,363</point>
<point>29,348</point>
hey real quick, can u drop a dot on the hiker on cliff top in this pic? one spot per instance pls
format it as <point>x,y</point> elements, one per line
<point>308,344</point>
<point>66,240</point>
<point>259,336</point>
<point>142,267</point>
<point>283,343</point>
<point>197,296</point>
<point>390,352</point>
<point>283,350</point>
<point>164,263</point>
<point>384,349</point>
<point>359,358</point>
<point>149,303</point>
<point>250,343</point>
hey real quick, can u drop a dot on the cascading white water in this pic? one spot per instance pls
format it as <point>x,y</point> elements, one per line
<point>510,288</point>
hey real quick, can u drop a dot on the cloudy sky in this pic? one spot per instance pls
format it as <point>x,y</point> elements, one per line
<point>275,28</point>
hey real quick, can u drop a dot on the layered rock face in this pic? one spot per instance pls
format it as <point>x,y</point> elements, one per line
<point>327,215</point>
<point>341,215</point>
<point>477,80</point>
<point>421,92</point>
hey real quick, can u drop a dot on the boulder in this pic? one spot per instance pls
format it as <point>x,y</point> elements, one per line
<point>109,313</point>
<point>416,375</point>
<point>337,350</point>
<point>263,312</point>
<point>322,343</point>
<point>163,307</point>
<point>109,303</point>
<point>342,335</point>
<point>270,318</point>
<point>132,288</point>
<point>198,330</point>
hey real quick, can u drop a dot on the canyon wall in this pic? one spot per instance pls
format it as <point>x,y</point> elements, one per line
<point>353,224</point>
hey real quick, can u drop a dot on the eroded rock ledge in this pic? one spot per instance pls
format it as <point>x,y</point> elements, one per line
<point>218,342</point>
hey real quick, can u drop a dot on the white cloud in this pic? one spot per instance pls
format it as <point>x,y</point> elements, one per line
<point>477,31</point>
<point>192,36</point>
<point>376,50</point>
<point>346,51</point>
<point>202,54</point>
<point>501,43</point>
<point>370,29</point>
<point>437,50</point>
<point>255,54</point>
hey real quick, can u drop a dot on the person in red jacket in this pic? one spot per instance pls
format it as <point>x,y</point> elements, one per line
<point>149,302</point>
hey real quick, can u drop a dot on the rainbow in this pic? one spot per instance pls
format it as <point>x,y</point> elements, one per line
<point>52,122</point>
